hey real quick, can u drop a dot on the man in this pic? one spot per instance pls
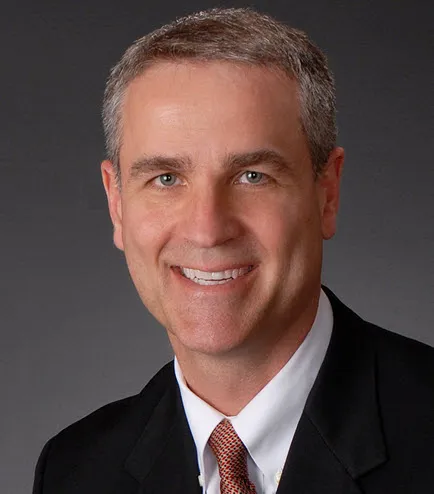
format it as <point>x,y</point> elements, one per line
<point>222,181</point>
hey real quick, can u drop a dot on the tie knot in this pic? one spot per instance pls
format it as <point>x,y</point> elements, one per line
<point>231,456</point>
<point>225,443</point>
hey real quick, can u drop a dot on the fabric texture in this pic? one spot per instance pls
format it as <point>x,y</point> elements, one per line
<point>231,455</point>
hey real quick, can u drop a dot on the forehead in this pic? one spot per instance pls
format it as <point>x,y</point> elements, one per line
<point>227,105</point>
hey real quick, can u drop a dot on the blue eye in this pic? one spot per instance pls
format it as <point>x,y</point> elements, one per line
<point>252,177</point>
<point>167,179</point>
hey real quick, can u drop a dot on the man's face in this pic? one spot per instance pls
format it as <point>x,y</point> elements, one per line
<point>219,214</point>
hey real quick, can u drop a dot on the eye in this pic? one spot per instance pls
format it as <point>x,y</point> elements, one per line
<point>166,180</point>
<point>251,177</point>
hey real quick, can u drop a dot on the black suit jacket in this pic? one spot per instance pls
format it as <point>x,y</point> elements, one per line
<point>367,427</point>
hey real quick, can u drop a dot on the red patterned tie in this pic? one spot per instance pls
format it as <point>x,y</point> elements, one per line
<point>231,457</point>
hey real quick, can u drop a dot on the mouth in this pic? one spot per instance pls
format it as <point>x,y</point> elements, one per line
<point>213,277</point>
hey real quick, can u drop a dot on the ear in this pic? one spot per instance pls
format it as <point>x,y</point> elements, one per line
<point>328,186</point>
<point>114,199</point>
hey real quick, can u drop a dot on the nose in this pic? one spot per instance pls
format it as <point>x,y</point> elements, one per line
<point>210,218</point>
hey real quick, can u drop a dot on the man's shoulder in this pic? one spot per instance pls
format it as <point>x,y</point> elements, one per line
<point>397,351</point>
<point>376,388</point>
<point>397,345</point>
<point>403,368</point>
<point>404,388</point>
<point>115,422</point>
<point>388,345</point>
<point>404,364</point>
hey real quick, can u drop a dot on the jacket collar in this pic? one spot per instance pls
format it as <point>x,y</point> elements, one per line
<point>164,458</point>
<point>339,437</point>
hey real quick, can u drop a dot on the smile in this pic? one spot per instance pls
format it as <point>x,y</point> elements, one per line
<point>213,277</point>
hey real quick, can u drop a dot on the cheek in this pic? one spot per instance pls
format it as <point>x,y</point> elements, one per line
<point>144,228</point>
<point>144,236</point>
<point>287,222</point>
<point>289,232</point>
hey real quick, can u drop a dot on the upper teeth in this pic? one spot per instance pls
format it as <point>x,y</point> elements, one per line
<point>214,275</point>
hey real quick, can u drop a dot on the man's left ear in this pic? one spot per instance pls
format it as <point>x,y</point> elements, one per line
<point>328,184</point>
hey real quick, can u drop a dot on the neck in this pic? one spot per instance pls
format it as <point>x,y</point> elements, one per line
<point>230,381</point>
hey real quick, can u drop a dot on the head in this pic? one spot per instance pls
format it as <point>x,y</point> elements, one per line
<point>220,131</point>
<point>240,36</point>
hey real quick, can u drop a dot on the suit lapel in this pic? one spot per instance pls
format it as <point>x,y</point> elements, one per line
<point>164,459</point>
<point>311,466</point>
<point>339,436</point>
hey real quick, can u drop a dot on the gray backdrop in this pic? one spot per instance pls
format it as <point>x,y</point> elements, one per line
<point>74,334</point>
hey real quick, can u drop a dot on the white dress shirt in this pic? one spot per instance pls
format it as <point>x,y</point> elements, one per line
<point>267,424</point>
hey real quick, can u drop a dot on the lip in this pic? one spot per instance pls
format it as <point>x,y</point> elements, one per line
<point>232,285</point>
<point>218,268</point>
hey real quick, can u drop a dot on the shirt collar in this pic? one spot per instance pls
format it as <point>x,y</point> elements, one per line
<point>268,422</point>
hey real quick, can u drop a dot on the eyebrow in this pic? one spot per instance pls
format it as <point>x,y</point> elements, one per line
<point>232,162</point>
<point>260,157</point>
<point>148,164</point>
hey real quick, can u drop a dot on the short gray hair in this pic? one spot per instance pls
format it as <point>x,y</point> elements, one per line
<point>240,36</point>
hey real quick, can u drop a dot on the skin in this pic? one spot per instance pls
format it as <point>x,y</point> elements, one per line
<point>207,126</point>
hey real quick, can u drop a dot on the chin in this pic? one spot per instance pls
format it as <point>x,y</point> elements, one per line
<point>208,340</point>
